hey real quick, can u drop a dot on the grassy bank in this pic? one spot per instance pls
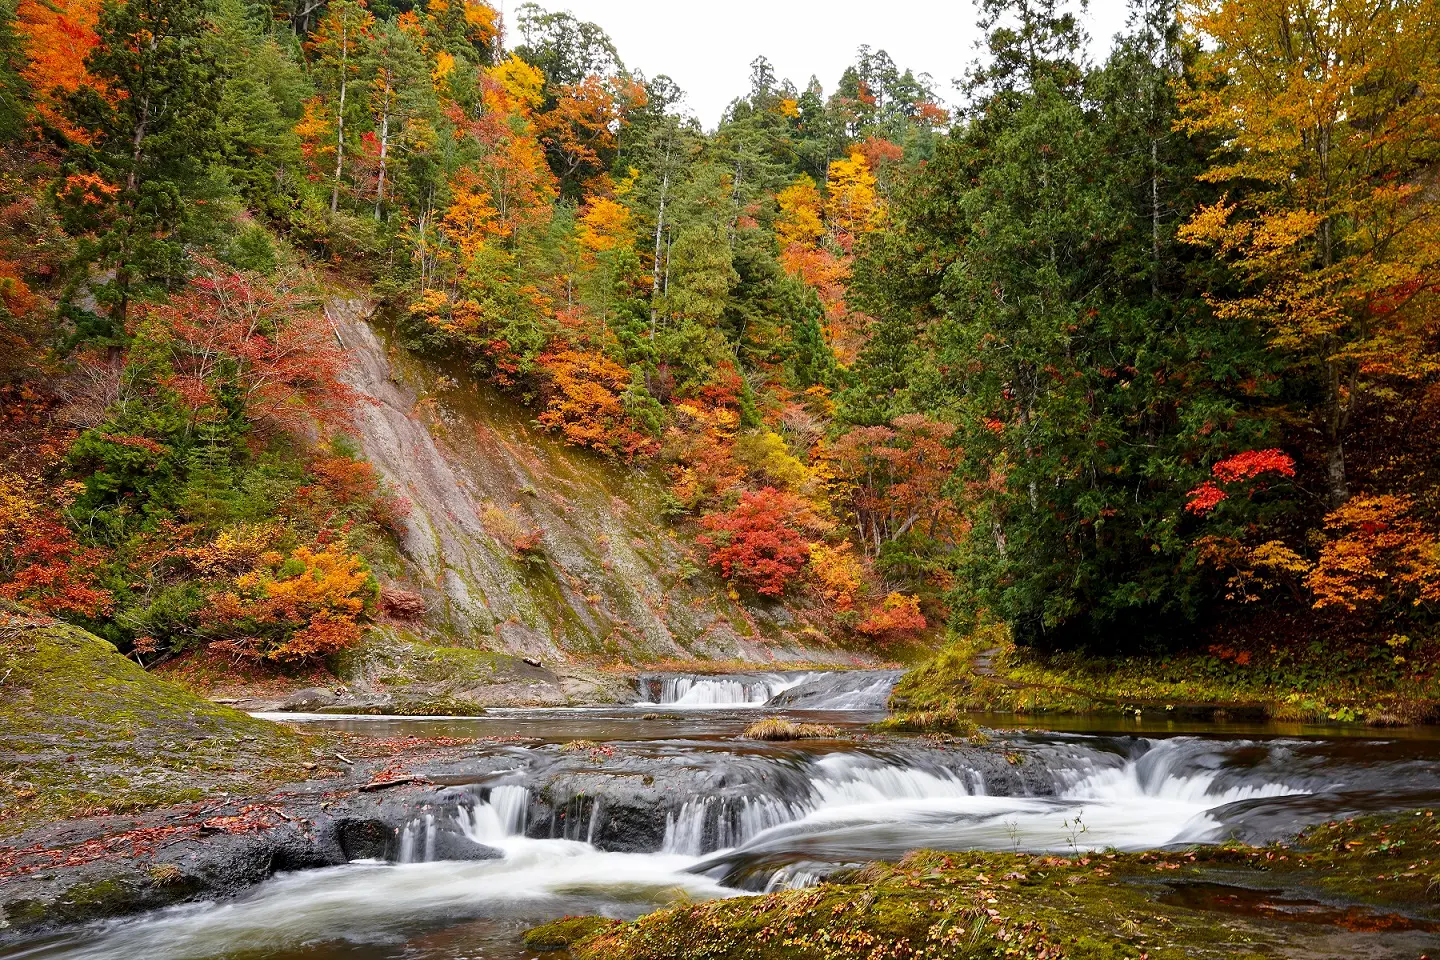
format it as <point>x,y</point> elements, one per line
<point>83,730</point>
<point>1368,877</point>
<point>1321,681</point>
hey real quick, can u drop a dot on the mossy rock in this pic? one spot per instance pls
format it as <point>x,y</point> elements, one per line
<point>83,728</point>
<point>980,906</point>
<point>565,933</point>
<point>947,721</point>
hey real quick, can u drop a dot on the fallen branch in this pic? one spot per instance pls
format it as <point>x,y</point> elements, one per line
<point>397,782</point>
<point>344,759</point>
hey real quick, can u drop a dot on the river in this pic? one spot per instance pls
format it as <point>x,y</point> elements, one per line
<point>662,800</point>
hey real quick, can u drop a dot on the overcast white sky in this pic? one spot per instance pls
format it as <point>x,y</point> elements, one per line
<point>707,47</point>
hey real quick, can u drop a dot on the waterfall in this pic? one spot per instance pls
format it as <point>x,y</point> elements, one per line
<point>823,690</point>
<point>706,824</point>
<point>417,840</point>
<point>699,690</point>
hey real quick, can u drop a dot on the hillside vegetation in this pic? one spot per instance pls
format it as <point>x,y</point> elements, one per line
<point>1129,357</point>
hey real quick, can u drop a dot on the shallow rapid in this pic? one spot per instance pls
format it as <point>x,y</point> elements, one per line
<point>669,802</point>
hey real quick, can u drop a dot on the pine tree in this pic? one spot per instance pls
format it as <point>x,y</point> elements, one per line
<point>150,136</point>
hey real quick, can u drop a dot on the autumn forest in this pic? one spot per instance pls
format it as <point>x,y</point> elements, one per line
<point>1125,356</point>
<point>457,503</point>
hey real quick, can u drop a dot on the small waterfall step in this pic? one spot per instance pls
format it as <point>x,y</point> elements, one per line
<point>790,690</point>
<point>717,690</point>
<point>839,690</point>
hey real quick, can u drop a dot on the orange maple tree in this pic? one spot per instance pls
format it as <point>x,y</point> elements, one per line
<point>57,36</point>
<point>584,402</point>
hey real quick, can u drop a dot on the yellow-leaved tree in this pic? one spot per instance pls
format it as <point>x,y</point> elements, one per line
<point>1327,118</point>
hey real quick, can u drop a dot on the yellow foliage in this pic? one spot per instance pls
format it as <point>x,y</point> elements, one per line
<point>853,204</point>
<point>838,572</point>
<point>523,85</point>
<point>799,221</point>
<point>605,225</point>
<point>1252,571</point>
<point>1324,118</point>
<point>440,73</point>
<point>766,454</point>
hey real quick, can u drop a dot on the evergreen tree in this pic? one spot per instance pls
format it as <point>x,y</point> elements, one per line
<point>151,134</point>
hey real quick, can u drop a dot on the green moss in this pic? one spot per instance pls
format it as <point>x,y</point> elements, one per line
<point>983,670</point>
<point>83,728</point>
<point>969,906</point>
<point>947,721</point>
<point>561,934</point>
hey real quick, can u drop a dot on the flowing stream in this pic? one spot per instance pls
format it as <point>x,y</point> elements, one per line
<point>671,803</point>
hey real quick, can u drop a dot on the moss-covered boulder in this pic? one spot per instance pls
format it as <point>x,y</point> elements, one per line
<point>1366,887</point>
<point>83,729</point>
<point>566,932</point>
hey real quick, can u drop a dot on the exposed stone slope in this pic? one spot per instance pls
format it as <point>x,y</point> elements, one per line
<point>608,578</point>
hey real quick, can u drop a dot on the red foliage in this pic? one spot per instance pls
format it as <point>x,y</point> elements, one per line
<point>1205,498</point>
<point>287,360</point>
<point>757,541</point>
<point>1243,466</point>
<point>881,152</point>
<point>894,478</point>
<point>42,565</point>
<point>1253,463</point>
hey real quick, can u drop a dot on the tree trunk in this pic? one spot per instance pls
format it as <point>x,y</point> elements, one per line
<point>340,120</point>
<point>1336,484</point>
<point>384,150</point>
<point>659,231</point>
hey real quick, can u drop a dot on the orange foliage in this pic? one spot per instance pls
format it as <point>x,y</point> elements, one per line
<point>512,188</point>
<point>352,481</point>
<point>898,616</point>
<point>584,127</point>
<point>583,401</point>
<point>42,565</point>
<point>894,478</point>
<point>838,572</point>
<point>758,542</point>
<point>880,153</point>
<point>57,36</point>
<point>300,607</point>
<point>1377,552</point>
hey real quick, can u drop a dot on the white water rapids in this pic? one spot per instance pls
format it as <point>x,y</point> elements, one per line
<point>691,690</point>
<point>856,805</point>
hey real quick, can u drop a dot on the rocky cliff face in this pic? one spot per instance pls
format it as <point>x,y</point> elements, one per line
<point>607,576</point>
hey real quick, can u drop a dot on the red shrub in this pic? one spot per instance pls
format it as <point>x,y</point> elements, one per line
<point>757,542</point>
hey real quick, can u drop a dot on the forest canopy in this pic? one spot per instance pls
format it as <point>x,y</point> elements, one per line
<point>1108,352</point>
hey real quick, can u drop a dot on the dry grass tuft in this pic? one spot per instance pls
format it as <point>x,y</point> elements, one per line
<point>777,728</point>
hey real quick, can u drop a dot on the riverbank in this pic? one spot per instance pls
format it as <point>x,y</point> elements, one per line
<point>1376,684</point>
<point>1379,876</point>
<point>83,730</point>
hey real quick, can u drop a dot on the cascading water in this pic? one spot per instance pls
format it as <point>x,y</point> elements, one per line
<point>826,690</point>
<point>689,810</point>
<point>698,690</point>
